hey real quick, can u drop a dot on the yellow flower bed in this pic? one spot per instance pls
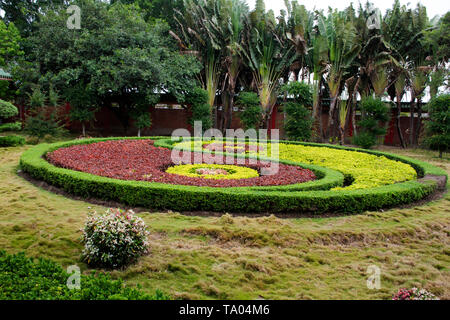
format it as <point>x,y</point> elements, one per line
<point>368,171</point>
<point>233,172</point>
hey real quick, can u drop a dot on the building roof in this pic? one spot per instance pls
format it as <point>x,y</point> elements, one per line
<point>5,75</point>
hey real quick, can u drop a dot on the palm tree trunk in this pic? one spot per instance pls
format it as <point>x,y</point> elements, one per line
<point>317,110</point>
<point>215,117</point>
<point>229,111</point>
<point>83,128</point>
<point>419,118</point>
<point>399,115</point>
<point>354,104</point>
<point>411,119</point>
<point>342,136</point>
<point>139,132</point>
<point>330,126</point>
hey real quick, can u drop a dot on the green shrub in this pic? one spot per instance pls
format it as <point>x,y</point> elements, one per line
<point>7,110</point>
<point>201,111</point>
<point>374,112</point>
<point>12,141</point>
<point>365,140</point>
<point>298,125</point>
<point>37,98</point>
<point>13,126</point>
<point>438,126</point>
<point>83,104</point>
<point>251,114</point>
<point>39,126</point>
<point>114,239</point>
<point>300,92</point>
<point>23,278</point>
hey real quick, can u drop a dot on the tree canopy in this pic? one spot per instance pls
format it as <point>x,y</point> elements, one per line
<point>117,56</point>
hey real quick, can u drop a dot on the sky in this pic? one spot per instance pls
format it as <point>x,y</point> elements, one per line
<point>434,7</point>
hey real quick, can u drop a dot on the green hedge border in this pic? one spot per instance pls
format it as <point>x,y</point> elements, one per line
<point>187,198</point>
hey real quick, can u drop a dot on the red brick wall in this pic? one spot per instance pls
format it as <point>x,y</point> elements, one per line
<point>165,121</point>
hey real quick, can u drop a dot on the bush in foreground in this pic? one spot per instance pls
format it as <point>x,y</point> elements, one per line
<point>7,110</point>
<point>23,278</point>
<point>114,239</point>
<point>414,294</point>
<point>14,126</point>
<point>12,141</point>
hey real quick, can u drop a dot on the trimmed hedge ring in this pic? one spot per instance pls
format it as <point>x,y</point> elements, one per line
<point>309,197</point>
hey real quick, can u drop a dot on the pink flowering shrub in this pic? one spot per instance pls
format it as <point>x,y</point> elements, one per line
<point>414,294</point>
<point>114,239</point>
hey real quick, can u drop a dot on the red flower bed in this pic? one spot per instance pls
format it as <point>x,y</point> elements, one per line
<point>140,160</point>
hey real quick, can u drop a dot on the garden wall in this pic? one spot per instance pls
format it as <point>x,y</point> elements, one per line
<point>168,116</point>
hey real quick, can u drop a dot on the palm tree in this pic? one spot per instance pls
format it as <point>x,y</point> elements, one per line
<point>233,33</point>
<point>297,28</point>
<point>343,49</point>
<point>196,37</point>
<point>268,55</point>
<point>419,76</point>
<point>319,53</point>
<point>399,76</point>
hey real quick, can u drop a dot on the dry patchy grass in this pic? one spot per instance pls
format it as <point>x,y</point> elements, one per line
<point>230,257</point>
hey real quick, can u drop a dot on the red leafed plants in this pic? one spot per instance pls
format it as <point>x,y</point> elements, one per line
<point>140,160</point>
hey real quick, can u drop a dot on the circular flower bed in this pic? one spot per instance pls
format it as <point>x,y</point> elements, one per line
<point>139,160</point>
<point>214,171</point>
<point>363,170</point>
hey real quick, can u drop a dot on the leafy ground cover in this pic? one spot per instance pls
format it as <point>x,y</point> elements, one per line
<point>23,278</point>
<point>232,257</point>
<point>366,170</point>
<point>140,160</point>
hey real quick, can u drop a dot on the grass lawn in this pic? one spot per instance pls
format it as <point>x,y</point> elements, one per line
<point>246,258</point>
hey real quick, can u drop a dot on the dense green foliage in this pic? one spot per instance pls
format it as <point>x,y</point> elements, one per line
<point>250,115</point>
<point>247,199</point>
<point>438,126</point>
<point>23,278</point>
<point>298,123</point>
<point>83,104</point>
<point>13,126</point>
<point>127,56</point>
<point>137,60</point>
<point>12,141</point>
<point>365,140</point>
<point>142,120</point>
<point>201,110</point>
<point>9,43</point>
<point>40,126</point>
<point>374,113</point>
<point>7,110</point>
<point>299,92</point>
<point>157,9</point>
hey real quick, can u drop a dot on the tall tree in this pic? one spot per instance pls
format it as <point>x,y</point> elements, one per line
<point>268,55</point>
<point>342,50</point>
<point>123,60</point>
<point>23,13</point>
<point>9,43</point>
